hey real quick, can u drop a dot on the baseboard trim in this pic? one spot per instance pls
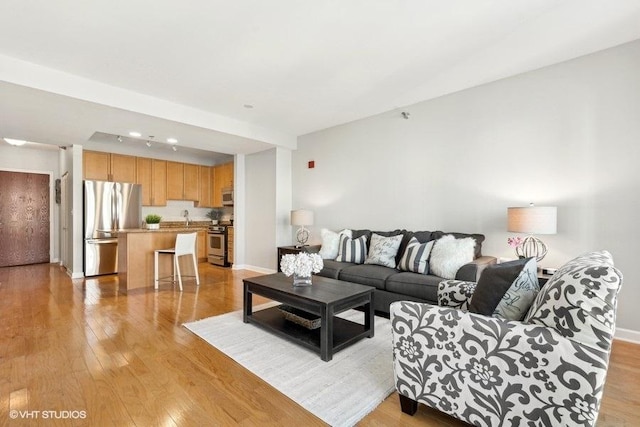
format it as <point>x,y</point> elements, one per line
<point>252,268</point>
<point>627,335</point>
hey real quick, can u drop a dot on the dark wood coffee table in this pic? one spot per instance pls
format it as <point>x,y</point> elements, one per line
<point>325,298</point>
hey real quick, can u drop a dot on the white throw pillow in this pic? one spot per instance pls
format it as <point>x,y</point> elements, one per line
<point>383,250</point>
<point>330,240</point>
<point>415,256</point>
<point>449,254</point>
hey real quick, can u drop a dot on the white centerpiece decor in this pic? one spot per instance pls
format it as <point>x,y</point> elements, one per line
<point>301,265</point>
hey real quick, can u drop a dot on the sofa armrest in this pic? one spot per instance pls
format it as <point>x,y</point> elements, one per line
<point>471,272</point>
<point>488,371</point>
<point>455,294</point>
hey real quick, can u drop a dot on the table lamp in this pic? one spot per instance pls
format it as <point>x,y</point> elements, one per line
<point>302,217</point>
<point>532,220</point>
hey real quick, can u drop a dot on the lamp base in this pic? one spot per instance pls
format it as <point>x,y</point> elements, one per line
<point>302,236</point>
<point>532,247</point>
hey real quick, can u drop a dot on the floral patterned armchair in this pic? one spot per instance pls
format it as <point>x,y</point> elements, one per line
<point>547,370</point>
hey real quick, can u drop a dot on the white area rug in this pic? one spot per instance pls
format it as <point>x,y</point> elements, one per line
<point>340,392</point>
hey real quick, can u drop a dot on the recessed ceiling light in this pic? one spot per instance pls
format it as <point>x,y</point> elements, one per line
<point>172,140</point>
<point>135,134</point>
<point>16,142</point>
<point>249,106</point>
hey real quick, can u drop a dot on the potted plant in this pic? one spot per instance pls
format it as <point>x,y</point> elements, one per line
<point>152,221</point>
<point>214,216</point>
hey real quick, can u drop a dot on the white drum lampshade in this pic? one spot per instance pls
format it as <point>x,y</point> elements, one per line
<point>532,220</point>
<point>302,217</point>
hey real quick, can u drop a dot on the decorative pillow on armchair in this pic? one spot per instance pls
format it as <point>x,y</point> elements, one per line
<point>383,250</point>
<point>415,256</point>
<point>330,240</point>
<point>449,254</point>
<point>352,250</point>
<point>506,290</point>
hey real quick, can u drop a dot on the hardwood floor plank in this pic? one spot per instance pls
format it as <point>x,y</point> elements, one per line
<point>126,359</point>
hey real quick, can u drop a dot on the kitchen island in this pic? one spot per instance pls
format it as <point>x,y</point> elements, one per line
<point>135,255</point>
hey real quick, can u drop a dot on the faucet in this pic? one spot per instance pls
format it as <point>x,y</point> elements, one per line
<point>186,215</point>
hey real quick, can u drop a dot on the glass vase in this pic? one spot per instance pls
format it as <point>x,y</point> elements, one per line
<point>301,280</point>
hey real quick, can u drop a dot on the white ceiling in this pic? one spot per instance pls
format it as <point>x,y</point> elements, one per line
<point>70,68</point>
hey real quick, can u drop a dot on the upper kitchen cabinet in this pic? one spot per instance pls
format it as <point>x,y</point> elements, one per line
<point>204,200</point>
<point>109,167</point>
<point>152,175</point>
<point>222,179</point>
<point>182,181</point>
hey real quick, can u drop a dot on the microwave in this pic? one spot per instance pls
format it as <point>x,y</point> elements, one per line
<point>227,197</point>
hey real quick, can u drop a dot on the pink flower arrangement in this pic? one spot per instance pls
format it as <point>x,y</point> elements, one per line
<point>514,242</point>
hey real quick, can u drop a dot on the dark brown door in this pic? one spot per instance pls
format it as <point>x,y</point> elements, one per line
<point>24,218</point>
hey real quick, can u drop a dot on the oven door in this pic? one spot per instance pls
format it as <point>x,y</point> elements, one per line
<point>216,248</point>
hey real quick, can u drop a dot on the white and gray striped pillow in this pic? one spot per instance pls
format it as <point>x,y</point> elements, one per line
<point>352,250</point>
<point>415,256</point>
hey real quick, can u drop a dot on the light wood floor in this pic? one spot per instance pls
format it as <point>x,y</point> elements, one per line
<point>82,345</point>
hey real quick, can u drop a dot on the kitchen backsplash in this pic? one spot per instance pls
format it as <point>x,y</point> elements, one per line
<point>174,211</point>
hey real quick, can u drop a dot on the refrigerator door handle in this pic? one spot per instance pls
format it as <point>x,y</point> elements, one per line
<point>102,241</point>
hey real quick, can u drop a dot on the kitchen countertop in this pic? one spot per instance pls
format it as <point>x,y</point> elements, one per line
<point>183,229</point>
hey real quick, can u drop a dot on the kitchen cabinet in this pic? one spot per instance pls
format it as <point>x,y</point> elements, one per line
<point>230,235</point>
<point>191,182</point>
<point>222,178</point>
<point>204,198</point>
<point>102,166</point>
<point>202,245</point>
<point>182,181</point>
<point>152,175</point>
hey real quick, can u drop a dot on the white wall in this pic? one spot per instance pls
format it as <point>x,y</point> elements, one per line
<point>566,135</point>
<point>267,207</point>
<point>32,160</point>
<point>260,210</point>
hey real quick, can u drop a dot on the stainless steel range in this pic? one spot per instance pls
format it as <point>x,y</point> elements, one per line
<point>217,245</point>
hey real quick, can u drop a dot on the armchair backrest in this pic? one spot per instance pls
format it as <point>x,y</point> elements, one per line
<point>580,301</point>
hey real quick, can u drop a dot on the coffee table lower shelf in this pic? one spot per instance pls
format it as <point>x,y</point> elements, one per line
<point>345,332</point>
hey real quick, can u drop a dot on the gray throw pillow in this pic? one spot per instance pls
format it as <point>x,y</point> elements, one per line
<point>494,282</point>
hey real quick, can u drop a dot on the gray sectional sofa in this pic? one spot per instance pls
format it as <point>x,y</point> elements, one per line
<point>394,285</point>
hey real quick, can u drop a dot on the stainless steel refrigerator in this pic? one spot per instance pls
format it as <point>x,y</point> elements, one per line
<point>108,207</point>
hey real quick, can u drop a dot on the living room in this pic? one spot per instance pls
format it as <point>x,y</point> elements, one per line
<point>562,133</point>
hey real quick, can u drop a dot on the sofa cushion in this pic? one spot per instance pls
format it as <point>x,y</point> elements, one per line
<point>330,241</point>
<point>368,233</point>
<point>352,250</point>
<point>449,254</point>
<point>383,250</point>
<point>479,238</point>
<point>367,274</point>
<point>421,286</point>
<point>332,268</point>
<point>415,257</point>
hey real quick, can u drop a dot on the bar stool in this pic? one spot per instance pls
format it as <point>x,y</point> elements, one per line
<point>185,245</point>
